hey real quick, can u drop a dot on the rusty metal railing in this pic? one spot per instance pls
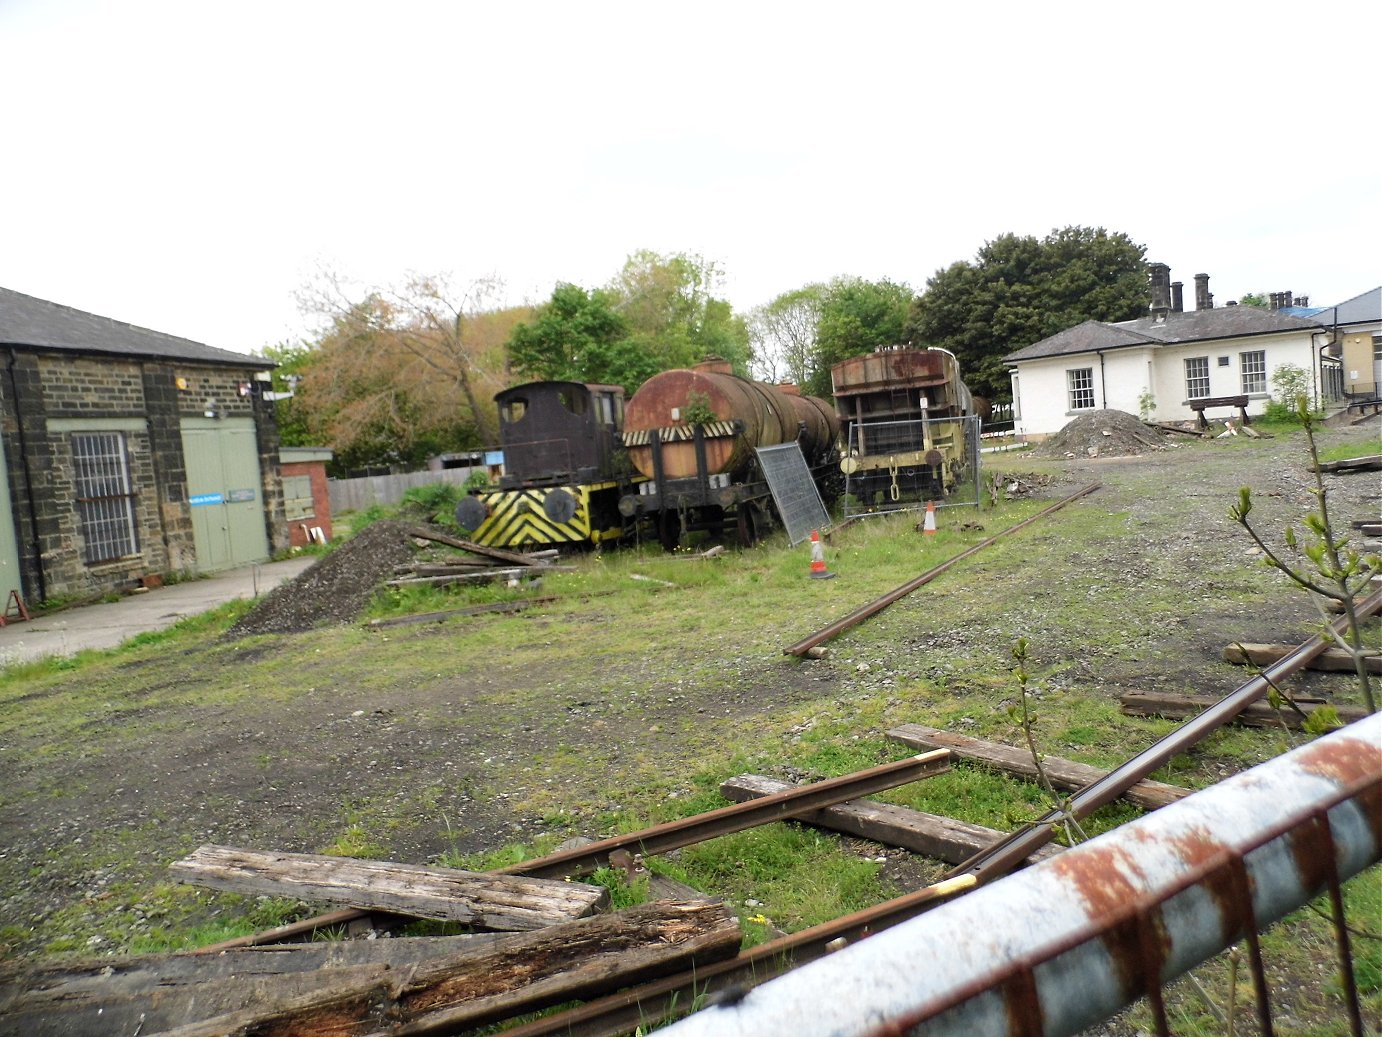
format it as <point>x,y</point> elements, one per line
<point>1069,942</point>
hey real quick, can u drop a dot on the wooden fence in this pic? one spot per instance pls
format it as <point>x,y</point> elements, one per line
<point>354,494</point>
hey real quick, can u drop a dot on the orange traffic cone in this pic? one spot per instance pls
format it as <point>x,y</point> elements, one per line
<point>818,570</point>
<point>929,527</point>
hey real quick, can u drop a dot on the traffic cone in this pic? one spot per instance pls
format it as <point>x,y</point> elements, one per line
<point>929,527</point>
<point>818,570</point>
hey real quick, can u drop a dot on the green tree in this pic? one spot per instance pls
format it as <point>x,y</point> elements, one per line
<point>1020,290</point>
<point>1254,299</point>
<point>856,317</point>
<point>783,334</point>
<point>293,415</point>
<point>673,315</point>
<point>659,313</point>
<point>575,336</point>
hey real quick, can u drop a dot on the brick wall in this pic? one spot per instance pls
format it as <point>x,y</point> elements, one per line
<point>321,502</point>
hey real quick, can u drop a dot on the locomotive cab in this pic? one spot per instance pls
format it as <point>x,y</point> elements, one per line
<point>555,433</point>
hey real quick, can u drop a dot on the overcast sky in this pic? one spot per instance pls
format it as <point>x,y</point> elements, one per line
<point>188,166</point>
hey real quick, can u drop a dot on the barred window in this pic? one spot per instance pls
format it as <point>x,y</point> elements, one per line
<point>1080,383</point>
<point>105,501</point>
<point>297,497</point>
<point>1196,377</point>
<point>1253,369</point>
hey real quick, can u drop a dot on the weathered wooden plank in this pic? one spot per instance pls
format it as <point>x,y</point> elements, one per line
<point>474,610</point>
<point>516,974</point>
<point>1331,660</point>
<point>1064,774</point>
<point>932,835</point>
<point>486,901</point>
<point>1258,714</point>
<point>498,554</point>
<point>158,992</point>
<point>1367,463</point>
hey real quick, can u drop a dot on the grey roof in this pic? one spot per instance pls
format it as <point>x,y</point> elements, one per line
<point>38,324</point>
<point>1176,329</point>
<point>1361,309</point>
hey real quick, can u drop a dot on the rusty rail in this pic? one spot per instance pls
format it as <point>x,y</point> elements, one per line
<point>1009,853</point>
<point>661,838</point>
<point>1068,942</point>
<point>619,1013</point>
<point>876,606</point>
<point>581,860</point>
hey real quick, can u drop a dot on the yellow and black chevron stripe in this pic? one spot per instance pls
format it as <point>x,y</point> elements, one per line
<point>518,518</point>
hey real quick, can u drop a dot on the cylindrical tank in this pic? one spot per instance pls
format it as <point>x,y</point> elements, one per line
<point>711,391</point>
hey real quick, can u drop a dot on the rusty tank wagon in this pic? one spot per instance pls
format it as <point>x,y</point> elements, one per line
<point>692,433</point>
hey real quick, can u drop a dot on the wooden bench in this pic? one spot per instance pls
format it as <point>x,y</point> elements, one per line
<point>1375,403</point>
<point>1198,406</point>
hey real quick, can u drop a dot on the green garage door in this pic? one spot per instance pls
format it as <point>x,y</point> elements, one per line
<point>224,490</point>
<point>9,541</point>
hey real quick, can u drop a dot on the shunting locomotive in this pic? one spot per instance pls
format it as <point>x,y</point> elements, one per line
<point>564,469</point>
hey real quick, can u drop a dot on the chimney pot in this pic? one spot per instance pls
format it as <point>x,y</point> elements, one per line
<point>1160,275</point>
<point>1177,297</point>
<point>1203,300</point>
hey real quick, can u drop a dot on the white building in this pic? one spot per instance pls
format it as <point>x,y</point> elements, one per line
<point>1157,365</point>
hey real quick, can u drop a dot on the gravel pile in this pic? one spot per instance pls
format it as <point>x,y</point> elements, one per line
<point>1104,433</point>
<point>336,589</point>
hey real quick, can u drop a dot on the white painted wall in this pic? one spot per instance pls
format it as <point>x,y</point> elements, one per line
<point>1121,376</point>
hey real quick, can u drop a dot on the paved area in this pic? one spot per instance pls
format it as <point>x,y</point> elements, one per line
<point>108,625</point>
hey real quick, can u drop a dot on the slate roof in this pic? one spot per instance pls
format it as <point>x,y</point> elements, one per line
<point>1177,329</point>
<point>38,324</point>
<point>1361,309</point>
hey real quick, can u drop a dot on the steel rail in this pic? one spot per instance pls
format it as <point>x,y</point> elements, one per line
<point>879,604</point>
<point>726,981</point>
<point>1068,942</point>
<point>661,838</point>
<point>619,1013</point>
<point>1010,852</point>
<point>790,803</point>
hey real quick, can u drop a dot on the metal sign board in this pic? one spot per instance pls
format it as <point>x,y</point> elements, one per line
<point>794,491</point>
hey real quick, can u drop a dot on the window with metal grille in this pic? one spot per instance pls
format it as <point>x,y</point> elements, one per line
<point>1253,369</point>
<point>1196,377</point>
<point>1080,383</point>
<point>105,501</point>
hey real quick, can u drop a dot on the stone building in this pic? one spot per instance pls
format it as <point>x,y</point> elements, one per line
<point>129,456</point>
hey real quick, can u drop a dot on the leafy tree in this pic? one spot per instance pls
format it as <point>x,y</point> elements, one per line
<point>856,317</point>
<point>673,315</point>
<point>1020,290</point>
<point>405,373</point>
<point>659,313</point>
<point>783,334</point>
<point>293,360</point>
<point>1254,299</point>
<point>573,337</point>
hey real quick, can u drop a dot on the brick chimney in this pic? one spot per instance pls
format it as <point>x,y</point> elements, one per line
<point>1302,300</point>
<point>1177,297</point>
<point>1203,300</point>
<point>1161,290</point>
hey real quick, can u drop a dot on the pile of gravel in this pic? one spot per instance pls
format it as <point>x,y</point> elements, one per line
<point>337,588</point>
<point>1102,433</point>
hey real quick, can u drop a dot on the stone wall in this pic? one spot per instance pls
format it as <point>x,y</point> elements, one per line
<point>48,398</point>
